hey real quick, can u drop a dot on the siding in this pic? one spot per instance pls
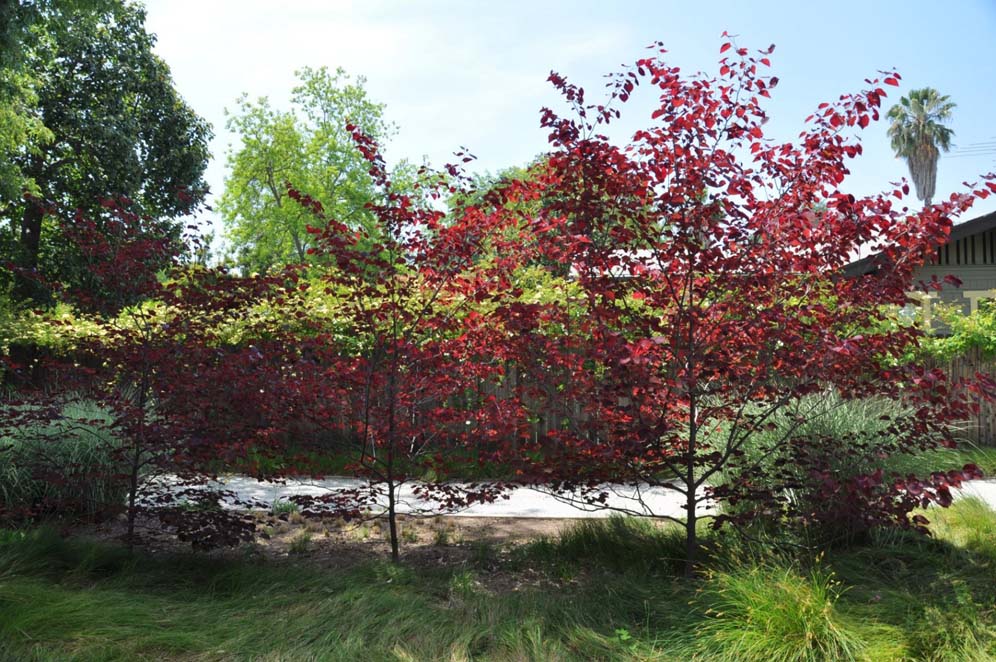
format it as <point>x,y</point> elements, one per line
<point>974,250</point>
<point>972,259</point>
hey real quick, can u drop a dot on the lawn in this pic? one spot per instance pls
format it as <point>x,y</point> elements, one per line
<point>601,590</point>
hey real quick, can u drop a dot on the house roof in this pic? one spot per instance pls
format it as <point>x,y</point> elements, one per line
<point>968,228</point>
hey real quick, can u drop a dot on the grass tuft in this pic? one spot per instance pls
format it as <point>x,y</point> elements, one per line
<point>968,523</point>
<point>283,507</point>
<point>773,613</point>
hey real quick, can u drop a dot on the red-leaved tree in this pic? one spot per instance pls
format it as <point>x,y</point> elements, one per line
<point>394,371</point>
<point>178,399</point>
<point>709,300</point>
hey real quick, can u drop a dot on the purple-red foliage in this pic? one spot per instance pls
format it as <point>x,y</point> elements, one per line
<point>184,402</point>
<point>396,378</point>
<point>709,261</point>
<point>707,297</point>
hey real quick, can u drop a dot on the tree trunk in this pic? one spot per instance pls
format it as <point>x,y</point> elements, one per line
<point>132,497</point>
<point>691,536</point>
<point>136,458</point>
<point>392,521</point>
<point>25,287</point>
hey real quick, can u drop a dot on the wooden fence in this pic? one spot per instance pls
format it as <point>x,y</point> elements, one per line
<point>551,411</point>
<point>981,428</point>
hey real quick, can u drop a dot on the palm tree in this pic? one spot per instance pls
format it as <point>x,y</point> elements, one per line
<point>918,135</point>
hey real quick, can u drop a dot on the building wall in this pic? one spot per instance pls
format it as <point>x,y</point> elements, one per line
<point>974,250</point>
<point>972,259</point>
<point>978,282</point>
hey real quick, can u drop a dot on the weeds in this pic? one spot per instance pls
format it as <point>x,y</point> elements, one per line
<point>283,507</point>
<point>301,544</point>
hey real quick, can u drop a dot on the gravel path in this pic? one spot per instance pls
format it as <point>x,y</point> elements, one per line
<point>523,501</point>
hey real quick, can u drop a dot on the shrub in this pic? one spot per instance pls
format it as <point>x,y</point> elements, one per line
<point>837,467</point>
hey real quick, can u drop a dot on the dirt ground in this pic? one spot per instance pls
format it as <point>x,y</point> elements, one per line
<point>424,541</point>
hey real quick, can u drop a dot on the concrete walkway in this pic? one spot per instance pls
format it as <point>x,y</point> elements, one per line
<point>521,501</point>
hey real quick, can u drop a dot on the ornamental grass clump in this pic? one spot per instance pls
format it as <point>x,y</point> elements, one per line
<point>775,613</point>
<point>67,465</point>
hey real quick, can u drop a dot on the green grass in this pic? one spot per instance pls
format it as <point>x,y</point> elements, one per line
<point>605,590</point>
<point>773,612</point>
<point>617,544</point>
<point>969,524</point>
<point>64,600</point>
<point>934,596</point>
<point>283,507</point>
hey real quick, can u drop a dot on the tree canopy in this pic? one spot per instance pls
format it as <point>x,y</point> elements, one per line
<point>308,147</point>
<point>663,312</point>
<point>709,301</point>
<point>91,113</point>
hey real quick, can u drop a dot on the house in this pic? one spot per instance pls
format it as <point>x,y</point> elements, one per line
<point>969,255</point>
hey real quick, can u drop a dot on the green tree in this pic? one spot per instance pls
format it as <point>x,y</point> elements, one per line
<point>918,135</point>
<point>20,126</point>
<point>309,147</point>
<point>109,124</point>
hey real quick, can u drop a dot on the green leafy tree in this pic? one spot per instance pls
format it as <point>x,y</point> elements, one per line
<point>918,135</point>
<point>104,121</point>
<point>21,127</point>
<point>309,147</point>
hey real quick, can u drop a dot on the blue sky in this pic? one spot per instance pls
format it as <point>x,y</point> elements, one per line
<point>468,73</point>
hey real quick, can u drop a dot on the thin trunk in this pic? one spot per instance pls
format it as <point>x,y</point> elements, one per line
<point>392,396</point>
<point>136,462</point>
<point>133,494</point>
<point>691,536</point>
<point>392,521</point>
